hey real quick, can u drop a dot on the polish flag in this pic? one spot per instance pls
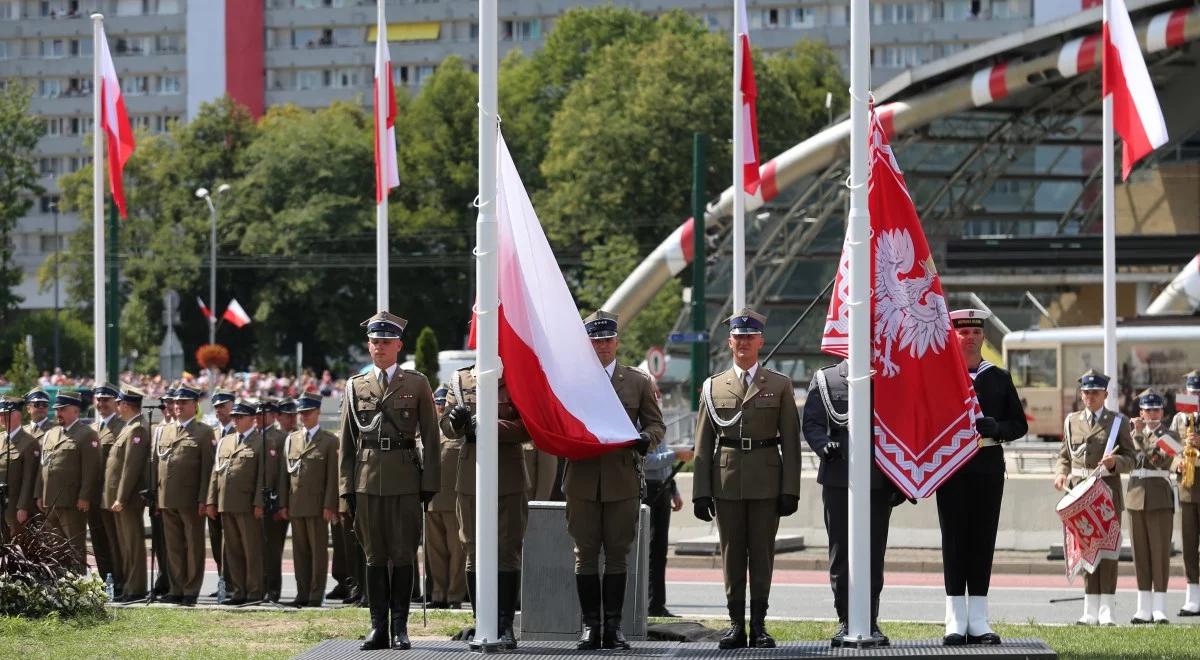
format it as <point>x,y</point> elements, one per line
<point>565,397</point>
<point>1137,117</point>
<point>1187,403</point>
<point>387,175</point>
<point>115,122</point>
<point>750,154</point>
<point>235,314</point>
<point>204,308</point>
<point>1168,445</point>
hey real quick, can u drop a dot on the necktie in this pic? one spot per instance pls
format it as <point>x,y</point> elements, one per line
<point>103,424</point>
<point>383,378</point>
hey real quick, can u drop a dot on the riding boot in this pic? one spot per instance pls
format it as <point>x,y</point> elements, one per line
<point>735,635</point>
<point>588,587</point>
<point>469,633</point>
<point>508,583</point>
<point>614,602</point>
<point>377,600</point>
<point>402,580</point>
<point>759,637</point>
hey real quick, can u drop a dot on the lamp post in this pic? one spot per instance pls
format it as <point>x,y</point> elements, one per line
<point>57,241</point>
<point>203,193</point>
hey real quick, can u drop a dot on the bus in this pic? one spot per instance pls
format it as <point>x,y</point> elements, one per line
<point>1046,364</point>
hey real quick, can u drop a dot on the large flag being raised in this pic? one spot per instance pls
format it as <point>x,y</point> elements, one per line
<point>114,121</point>
<point>565,397</point>
<point>1137,117</point>
<point>387,175</point>
<point>924,404</point>
<point>750,154</point>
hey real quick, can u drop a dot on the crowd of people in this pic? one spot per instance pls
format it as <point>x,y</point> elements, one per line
<point>245,384</point>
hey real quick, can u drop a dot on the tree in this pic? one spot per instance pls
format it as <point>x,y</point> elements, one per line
<point>427,355</point>
<point>19,133</point>
<point>75,339</point>
<point>21,372</point>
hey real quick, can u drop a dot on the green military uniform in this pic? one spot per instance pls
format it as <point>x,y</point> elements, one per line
<point>541,468</point>
<point>387,477</point>
<point>445,562</point>
<point>101,522</point>
<point>71,468</point>
<point>748,466</point>
<point>309,489</point>
<point>236,490</point>
<point>1150,500</point>
<point>38,429</point>
<point>183,460</point>
<point>274,528</point>
<point>126,470</point>
<point>20,458</point>
<point>1184,424</point>
<point>220,429</point>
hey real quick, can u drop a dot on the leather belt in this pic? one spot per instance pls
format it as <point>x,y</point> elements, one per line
<point>747,444</point>
<point>989,442</point>
<point>1146,473</point>
<point>387,443</point>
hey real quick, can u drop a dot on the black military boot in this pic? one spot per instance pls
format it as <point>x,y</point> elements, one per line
<point>839,637</point>
<point>614,603</point>
<point>402,579</point>
<point>508,582</point>
<point>759,637</point>
<point>875,631</point>
<point>588,587</point>
<point>378,589</point>
<point>469,633</point>
<point>735,635</point>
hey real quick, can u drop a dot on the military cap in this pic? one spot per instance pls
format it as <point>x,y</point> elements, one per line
<point>37,395</point>
<point>308,401</point>
<point>186,393</point>
<point>385,325</point>
<point>169,395</point>
<point>1149,399</point>
<point>222,396</point>
<point>11,403</point>
<point>68,398</point>
<point>132,394</point>
<point>746,322</point>
<point>266,406</point>
<point>601,325</point>
<point>969,318</point>
<point>243,407</point>
<point>1093,380</point>
<point>439,395</point>
<point>106,391</point>
<point>1193,380</point>
<point>286,405</point>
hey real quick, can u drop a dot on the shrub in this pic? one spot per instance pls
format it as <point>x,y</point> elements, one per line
<point>38,578</point>
<point>212,356</point>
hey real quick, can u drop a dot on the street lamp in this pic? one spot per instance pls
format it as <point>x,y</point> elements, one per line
<point>203,193</point>
<point>57,240</point>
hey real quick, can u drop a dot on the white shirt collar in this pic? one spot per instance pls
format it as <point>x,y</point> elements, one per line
<point>741,373</point>
<point>611,369</point>
<point>391,371</point>
<point>242,437</point>
<point>108,420</point>
<point>68,428</point>
<point>312,432</point>
<point>184,424</point>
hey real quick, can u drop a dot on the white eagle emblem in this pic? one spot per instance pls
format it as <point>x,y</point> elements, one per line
<point>908,311</point>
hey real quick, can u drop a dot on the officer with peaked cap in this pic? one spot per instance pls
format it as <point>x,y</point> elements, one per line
<point>1092,437</point>
<point>38,405</point>
<point>166,407</point>
<point>309,498</point>
<point>20,457</point>
<point>747,472</point>
<point>969,501</point>
<point>235,493</point>
<point>1150,500</point>
<point>125,476</point>
<point>445,562</point>
<point>273,524</point>
<point>1186,424</point>
<point>101,522</point>
<point>386,474</point>
<point>222,405</point>
<point>71,467</point>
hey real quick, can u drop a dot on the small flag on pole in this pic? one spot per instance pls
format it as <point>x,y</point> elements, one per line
<point>235,314</point>
<point>115,122</point>
<point>1137,117</point>
<point>204,308</point>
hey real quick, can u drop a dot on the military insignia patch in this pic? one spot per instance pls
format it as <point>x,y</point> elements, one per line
<point>95,443</point>
<point>272,452</point>
<point>136,440</point>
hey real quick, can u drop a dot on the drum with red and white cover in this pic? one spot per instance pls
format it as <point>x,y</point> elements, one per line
<point>1091,526</point>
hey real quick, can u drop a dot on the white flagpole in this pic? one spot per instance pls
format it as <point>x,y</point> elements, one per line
<point>739,196</point>
<point>1111,368</point>
<point>487,633</point>
<point>381,209</point>
<point>858,232</point>
<point>98,320</point>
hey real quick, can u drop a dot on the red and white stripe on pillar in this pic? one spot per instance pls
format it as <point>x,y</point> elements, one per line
<point>225,54</point>
<point>989,85</point>
<point>1166,30</point>
<point>1079,56</point>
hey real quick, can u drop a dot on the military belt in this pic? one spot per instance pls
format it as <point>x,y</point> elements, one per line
<point>747,444</point>
<point>387,443</point>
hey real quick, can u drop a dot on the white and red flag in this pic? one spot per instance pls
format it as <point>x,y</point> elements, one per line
<point>235,314</point>
<point>750,153</point>
<point>924,404</point>
<point>565,397</point>
<point>1136,115</point>
<point>204,308</point>
<point>387,175</point>
<point>114,121</point>
<point>1187,403</point>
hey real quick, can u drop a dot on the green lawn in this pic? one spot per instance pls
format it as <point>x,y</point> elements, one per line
<point>156,632</point>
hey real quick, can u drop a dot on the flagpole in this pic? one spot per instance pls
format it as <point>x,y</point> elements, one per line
<point>98,321</point>
<point>381,209</point>
<point>1109,266</point>
<point>858,234</point>
<point>739,197</point>
<point>487,634</point>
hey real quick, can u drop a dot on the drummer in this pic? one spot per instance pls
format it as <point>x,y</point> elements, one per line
<point>1096,437</point>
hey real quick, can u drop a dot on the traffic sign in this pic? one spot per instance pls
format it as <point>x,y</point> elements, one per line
<point>687,337</point>
<point>656,362</point>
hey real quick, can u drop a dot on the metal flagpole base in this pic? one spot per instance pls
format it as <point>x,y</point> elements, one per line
<point>862,642</point>
<point>485,646</point>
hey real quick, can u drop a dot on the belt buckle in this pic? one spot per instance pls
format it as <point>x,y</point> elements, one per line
<point>385,443</point>
<point>747,444</point>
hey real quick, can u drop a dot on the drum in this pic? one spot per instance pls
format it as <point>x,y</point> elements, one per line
<point>1091,526</point>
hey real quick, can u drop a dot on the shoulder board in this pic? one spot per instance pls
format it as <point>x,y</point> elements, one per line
<point>639,371</point>
<point>412,372</point>
<point>776,372</point>
<point>358,375</point>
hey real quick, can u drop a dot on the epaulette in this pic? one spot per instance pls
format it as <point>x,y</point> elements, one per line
<point>641,372</point>
<point>357,375</point>
<point>776,372</point>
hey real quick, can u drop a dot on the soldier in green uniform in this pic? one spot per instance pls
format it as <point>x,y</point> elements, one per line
<point>20,458</point>
<point>182,463</point>
<point>1150,500</point>
<point>384,477</point>
<point>747,472</point>
<point>445,563</point>
<point>285,420</point>
<point>126,472</point>
<point>222,405</point>
<point>1187,426</point>
<point>235,492</point>
<point>70,469</point>
<point>273,524</point>
<point>541,468</point>
<point>309,498</point>
<point>604,496</point>
<point>1092,437</point>
<point>101,522</point>
<point>458,422</point>
<point>38,405</point>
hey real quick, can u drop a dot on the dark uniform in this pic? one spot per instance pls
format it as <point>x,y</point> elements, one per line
<point>747,471</point>
<point>309,494</point>
<point>101,522</point>
<point>71,468</point>
<point>1186,425</point>
<point>386,478</point>
<point>20,458</point>
<point>445,562</point>
<point>827,431</point>
<point>126,472</point>
<point>458,422</point>
<point>235,492</point>
<point>1150,500</point>
<point>274,527</point>
<point>158,534</point>
<point>222,401</point>
<point>969,501</point>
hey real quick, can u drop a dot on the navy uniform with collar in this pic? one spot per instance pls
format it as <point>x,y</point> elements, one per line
<point>222,401</point>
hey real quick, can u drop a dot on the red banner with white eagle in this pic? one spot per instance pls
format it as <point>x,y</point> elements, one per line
<point>1091,526</point>
<point>924,403</point>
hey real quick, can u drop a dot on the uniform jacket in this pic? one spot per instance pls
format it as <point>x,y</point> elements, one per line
<point>38,431</point>
<point>125,466</point>
<point>274,440</point>
<point>183,462</point>
<point>446,497</point>
<point>1083,447</point>
<point>617,475</point>
<point>999,400</point>
<point>70,465</point>
<point>820,428</point>
<point>108,433</point>
<point>541,468</point>
<point>406,411</point>
<point>1178,425</point>
<point>1150,493</point>
<point>768,409</point>
<point>236,484</point>
<point>310,473</point>
<point>511,432</point>
<point>22,474</point>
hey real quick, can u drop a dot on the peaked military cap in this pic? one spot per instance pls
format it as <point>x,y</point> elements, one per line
<point>1093,380</point>
<point>243,407</point>
<point>186,393</point>
<point>223,396</point>
<point>11,404</point>
<point>286,405</point>
<point>1149,399</point>
<point>132,394</point>
<point>969,318</point>
<point>1193,380</point>
<point>385,325</point>
<point>308,401</point>
<point>37,395</point>
<point>746,322</point>
<point>68,398</point>
<point>439,395</point>
<point>169,395</point>
<point>266,406</point>
<point>106,391</point>
<point>601,325</point>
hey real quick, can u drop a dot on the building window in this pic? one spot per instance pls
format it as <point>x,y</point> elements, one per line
<point>49,88</point>
<point>54,126</point>
<point>48,166</point>
<point>521,30</point>
<point>897,57</point>
<point>48,203</point>
<point>8,10</point>
<point>308,79</point>
<point>711,21</point>
<point>52,48</point>
<point>135,85</point>
<point>423,74</point>
<point>890,14</point>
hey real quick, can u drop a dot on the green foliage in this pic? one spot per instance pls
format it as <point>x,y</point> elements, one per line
<point>19,133</point>
<point>38,578</point>
<point>427,355</point>
<point>74,340</point>
<point>21,372</point>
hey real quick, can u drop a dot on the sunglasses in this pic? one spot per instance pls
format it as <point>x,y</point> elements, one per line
<point>41,405</point>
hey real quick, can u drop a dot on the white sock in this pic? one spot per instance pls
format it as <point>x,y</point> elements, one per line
<point>1160,606</point>
<point>1143,606</point>
<point>977,621</point>
<point>1192,604</point>
<point>1105,615</point>
<point>956,615</point>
